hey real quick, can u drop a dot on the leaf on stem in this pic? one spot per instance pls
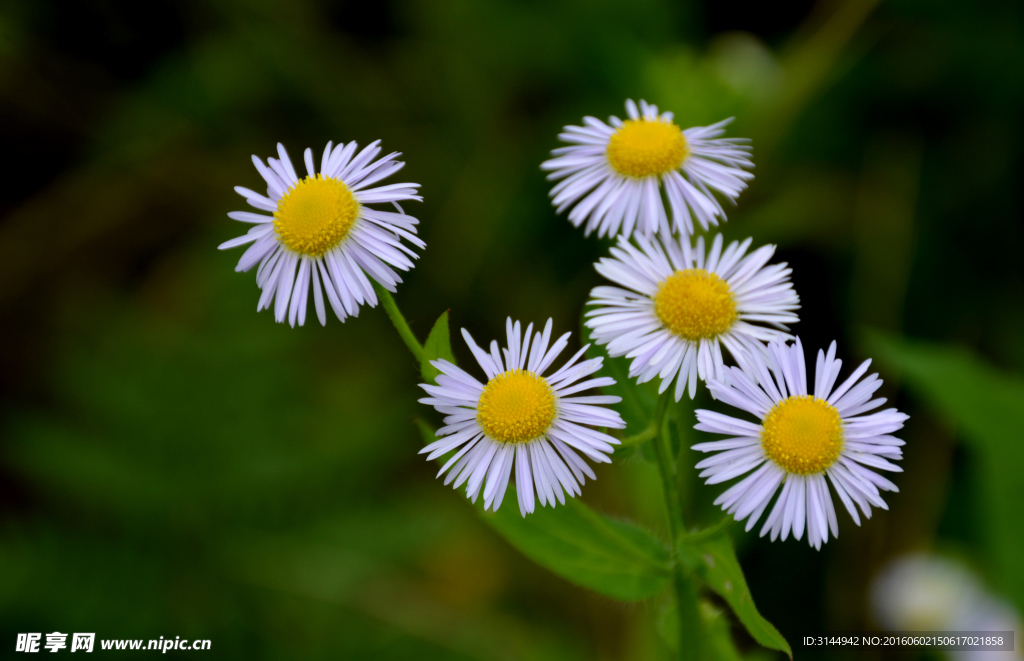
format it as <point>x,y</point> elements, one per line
<point>710,555</point>
<point>438,345</point>
<point>613,558</point>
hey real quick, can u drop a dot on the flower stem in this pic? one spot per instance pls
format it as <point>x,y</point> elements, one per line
<point>673,504</point>
<point>398,320</point>
<point>642,437</point>
<point>667,468</point>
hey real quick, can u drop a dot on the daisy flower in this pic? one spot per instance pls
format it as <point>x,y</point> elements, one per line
<point>322,233</point>
<point>523,419</point>
<point>800,440</point>
<point>615,173</point>
<point>680,306</point>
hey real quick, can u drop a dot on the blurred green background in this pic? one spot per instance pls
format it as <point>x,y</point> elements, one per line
<point>174,464</point>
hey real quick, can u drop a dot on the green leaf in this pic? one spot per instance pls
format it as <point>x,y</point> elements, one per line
<point>987,408</point>
<point>710,555</point>
<point>438,345</point>
<point>613,558</point>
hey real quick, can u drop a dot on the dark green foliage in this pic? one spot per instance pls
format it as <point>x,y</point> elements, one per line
<point>172,463</point>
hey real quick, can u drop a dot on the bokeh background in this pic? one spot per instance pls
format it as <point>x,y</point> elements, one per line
<point>174,464</point>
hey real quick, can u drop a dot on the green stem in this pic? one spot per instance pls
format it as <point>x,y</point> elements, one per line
<point>642,437</point>
<point>667,468</point>
<point>673,504</point>
<point>398,320</point>
<point>653,429</point>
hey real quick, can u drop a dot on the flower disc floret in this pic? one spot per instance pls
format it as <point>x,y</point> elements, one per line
<point>647,147</point>
<point>695,304</point>
<point>315,215</point>
<point>516,406</point>
<point>803,434</point>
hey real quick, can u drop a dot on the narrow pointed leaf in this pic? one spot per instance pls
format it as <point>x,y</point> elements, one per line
<point>710,555</point>
<point>438,345</point>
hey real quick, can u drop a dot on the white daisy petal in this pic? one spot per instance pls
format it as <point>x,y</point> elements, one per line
<point>524,481</point>
<point>499,492</point>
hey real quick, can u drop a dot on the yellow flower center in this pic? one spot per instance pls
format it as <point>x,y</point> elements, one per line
<point>695,304</point>
<point>516,406</point>
<point>803,434</point>
<point>647,147</point>
<point>315,215</point>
